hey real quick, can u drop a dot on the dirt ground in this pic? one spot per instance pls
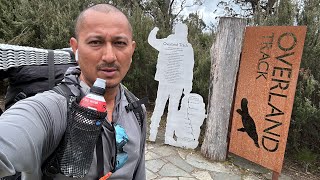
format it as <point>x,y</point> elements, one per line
<point>297,171</point>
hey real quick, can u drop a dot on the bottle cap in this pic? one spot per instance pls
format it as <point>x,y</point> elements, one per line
<point>100,83</point>
<point>99,86</point>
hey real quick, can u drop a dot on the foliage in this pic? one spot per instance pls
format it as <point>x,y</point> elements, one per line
<point>282,15</point>
<point>305,124</point>
<point>37,23</point>
<point>140,77</point>
<point>201,43</point>
<point>248,8</point>
<point>307,157</point>
<point>305,129</point>
<point>310,16</point>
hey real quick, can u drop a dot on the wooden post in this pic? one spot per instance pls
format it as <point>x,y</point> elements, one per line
<point>225,54</point>
<point>275,175</point>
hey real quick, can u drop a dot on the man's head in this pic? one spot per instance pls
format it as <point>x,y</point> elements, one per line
<point>181,30</point>
<point>104,43</point>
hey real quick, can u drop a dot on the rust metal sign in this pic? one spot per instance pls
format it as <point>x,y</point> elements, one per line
<point>265,92</point>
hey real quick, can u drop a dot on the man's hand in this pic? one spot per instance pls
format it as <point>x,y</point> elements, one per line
<point>156,29</point>
<point>152,39</point>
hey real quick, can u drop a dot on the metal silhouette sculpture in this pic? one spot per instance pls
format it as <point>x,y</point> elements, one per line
<point>175,73</point>
<point>248,123</point>
<point>188,120</point>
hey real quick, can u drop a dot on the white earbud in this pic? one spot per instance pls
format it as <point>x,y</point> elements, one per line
<point>76,55</point>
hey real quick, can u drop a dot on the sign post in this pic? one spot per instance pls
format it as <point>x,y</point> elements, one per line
<point>265,92</point>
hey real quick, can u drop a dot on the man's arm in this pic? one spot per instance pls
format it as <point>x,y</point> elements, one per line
<point>29,131</point>
<point>152,39</point>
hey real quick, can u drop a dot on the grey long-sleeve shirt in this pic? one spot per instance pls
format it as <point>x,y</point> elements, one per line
<point>32,128</point>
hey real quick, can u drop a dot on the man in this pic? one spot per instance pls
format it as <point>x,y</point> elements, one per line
<point>174,73</point>
<point>32,129</point>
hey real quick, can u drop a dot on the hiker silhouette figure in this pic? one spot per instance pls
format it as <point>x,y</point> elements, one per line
<point>248,123</point>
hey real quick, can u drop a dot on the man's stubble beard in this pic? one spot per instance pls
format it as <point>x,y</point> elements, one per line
<point>113,86</point>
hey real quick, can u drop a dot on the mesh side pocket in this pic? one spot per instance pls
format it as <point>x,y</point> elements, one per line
<point>75,152</point>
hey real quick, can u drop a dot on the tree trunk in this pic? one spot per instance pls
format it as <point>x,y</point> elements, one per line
<point>225,57</point>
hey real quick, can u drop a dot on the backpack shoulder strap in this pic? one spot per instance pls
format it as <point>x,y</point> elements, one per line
<point>51,72</point>
<point>135,105</point>
<point>64,91</point>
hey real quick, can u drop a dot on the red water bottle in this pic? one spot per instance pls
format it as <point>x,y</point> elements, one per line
<point>95,99</point>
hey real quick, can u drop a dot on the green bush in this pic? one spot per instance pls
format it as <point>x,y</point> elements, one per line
<point>304,134</point>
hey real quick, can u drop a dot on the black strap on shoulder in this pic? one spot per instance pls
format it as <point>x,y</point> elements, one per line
<point>64,91</point>
<point>51,75</point>
<point>135,105</point>
<point>99,153</point>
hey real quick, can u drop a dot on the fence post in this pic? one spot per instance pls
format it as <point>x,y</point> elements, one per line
<point>225,57</point>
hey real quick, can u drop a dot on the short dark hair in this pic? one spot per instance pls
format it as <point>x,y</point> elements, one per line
<point>105,8</point>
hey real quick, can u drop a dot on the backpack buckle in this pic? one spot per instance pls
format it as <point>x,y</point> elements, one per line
<point>131,106</point>
<point>134,105</point>
<point>20,96</point>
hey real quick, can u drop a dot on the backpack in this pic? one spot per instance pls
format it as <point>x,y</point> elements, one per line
<point>33,70</point>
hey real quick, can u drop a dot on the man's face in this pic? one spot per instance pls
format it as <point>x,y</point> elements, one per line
<point>105,47</point>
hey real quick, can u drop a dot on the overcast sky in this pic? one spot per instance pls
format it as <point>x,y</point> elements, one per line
<point>206,11</point>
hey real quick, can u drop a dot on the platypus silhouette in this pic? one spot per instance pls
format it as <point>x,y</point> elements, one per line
<point>247,121</point>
